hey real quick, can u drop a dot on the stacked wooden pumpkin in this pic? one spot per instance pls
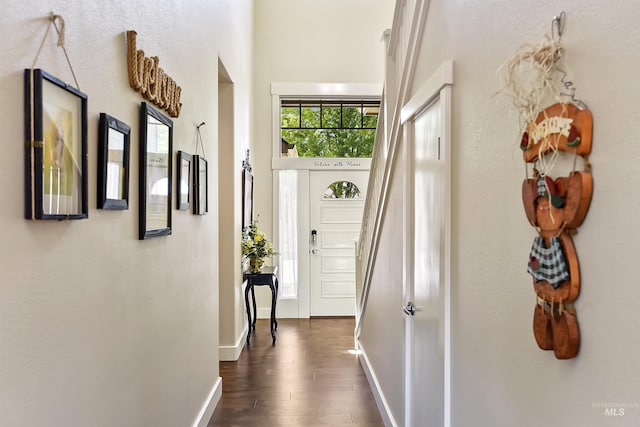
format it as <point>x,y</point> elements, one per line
<point>556,207</point>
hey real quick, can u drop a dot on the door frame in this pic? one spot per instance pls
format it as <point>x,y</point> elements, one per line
<point>437,87</point>
<point>300,307</point>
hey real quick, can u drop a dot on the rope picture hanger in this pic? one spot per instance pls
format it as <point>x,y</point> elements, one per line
<point>553,123</point>
<point>199,142</point>
<point>56,139</point>
<point>57,21</point>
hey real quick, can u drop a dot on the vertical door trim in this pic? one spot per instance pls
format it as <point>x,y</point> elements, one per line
<point>445,135</point>
<point>408,230</point>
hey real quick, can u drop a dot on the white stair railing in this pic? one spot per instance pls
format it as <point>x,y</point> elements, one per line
<point>402,44</point>
<point>367,230</point>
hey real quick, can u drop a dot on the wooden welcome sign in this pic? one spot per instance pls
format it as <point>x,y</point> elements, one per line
<point>146,77</point>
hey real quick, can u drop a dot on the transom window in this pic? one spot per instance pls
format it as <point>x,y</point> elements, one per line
<point>314,128</point>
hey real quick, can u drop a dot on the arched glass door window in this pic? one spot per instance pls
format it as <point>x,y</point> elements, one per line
<point>342,190</point>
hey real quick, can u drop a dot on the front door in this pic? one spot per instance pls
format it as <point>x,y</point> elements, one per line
<point>336,203</point>
<point>425,374</point>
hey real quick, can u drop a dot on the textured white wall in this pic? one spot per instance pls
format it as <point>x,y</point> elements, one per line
<point>382,336</point>
<point>500,377</point>
<point>230,216</point>
<point>309,41</point>
<point>96,327</point>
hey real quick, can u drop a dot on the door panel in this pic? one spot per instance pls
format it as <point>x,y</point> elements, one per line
<point>426,334</point>
<point>339,239</point>
<point>342,214</point>
<point>337,289</point>
<point>332,256</point>
<point>338,264</point>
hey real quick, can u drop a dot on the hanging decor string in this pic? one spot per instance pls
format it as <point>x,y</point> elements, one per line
<point>58,23</point>
<point>536,75</point>
<point>199,142</point>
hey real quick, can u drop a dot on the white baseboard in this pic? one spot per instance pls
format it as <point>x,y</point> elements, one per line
<point>209,405</point>
<point>264,313</point>
<point>288,308</point>
<point>231,353</point>
<point>381,402</point>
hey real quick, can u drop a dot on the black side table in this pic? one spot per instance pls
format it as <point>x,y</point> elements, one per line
<point>267,277</point>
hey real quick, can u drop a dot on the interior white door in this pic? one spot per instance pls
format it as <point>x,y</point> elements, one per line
<point>336,202</point>
<point>425,327</point>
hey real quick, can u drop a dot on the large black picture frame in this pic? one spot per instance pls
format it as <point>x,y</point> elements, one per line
<point>156,155</point>
<point>114,141</point>
<point>56,150</point>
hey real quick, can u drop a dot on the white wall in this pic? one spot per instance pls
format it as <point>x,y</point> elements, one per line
<point>500,377</point>
<point>383,321</point>
<point>96,327</point>
<point>310,41</point>
<point>232,313</point>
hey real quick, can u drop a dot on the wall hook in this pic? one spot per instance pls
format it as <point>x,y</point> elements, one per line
<point>557,26</point>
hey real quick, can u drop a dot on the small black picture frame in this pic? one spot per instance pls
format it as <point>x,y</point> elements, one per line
<point>114,140</point>
<point>201,185</point>
<point>156,154</point>
<point>184,181</point>
<point>247,198</point>
<point>56,150</point>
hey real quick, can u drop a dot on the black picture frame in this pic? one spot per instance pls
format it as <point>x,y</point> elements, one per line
<point>56,150</point>
<point>201,185</point>
<point>247,198</point>
<point>114,141</point>
<point>184,180</point>
<point>156,155</point>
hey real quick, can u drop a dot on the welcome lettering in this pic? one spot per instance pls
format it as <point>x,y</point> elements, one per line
<point>146,77</point>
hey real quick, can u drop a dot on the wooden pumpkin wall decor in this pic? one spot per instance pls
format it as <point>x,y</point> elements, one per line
<point>555,202</point>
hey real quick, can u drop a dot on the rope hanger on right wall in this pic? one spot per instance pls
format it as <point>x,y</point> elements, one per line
<point>553,124</point>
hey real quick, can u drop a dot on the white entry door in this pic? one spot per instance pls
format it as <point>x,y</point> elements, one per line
<point>336,202</point>
<point>425,289</point>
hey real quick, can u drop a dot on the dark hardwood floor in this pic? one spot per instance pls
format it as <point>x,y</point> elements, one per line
<point>308,378</point>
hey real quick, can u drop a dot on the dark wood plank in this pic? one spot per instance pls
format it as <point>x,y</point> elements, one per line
<point>308,378</point>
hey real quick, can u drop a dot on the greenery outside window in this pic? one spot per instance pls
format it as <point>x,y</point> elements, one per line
<point>313,128</point>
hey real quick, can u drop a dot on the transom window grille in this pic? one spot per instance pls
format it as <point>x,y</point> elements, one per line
<point>313,128</point>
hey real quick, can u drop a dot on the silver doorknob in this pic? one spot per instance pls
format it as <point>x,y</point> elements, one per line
<point>409,309</point>
<point>315,251</point>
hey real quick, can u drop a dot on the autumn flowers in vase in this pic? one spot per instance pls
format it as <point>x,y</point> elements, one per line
<point>255,247</point>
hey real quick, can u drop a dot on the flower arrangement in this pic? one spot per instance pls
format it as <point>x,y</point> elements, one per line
<point>255,247</point>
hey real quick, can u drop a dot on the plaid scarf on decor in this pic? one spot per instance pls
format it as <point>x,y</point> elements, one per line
<point>548,264</point>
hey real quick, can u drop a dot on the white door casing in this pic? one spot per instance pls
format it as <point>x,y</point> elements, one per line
<point>332,255</point>
<point>426,120</point>
<point>298,306</point>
